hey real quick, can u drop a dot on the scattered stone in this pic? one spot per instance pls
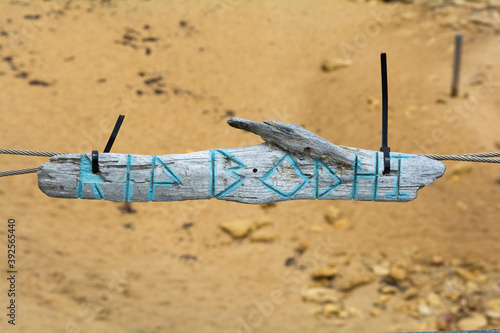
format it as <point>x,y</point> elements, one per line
<point>444,321</point>
<point>398,273</point>
<point>380,270</point>
<point>465,274</point>
<point>324,272</point>
<point>329,65</point>
<point>424,310</point>
<point>332,309</point>
<point>492,314</point>
<point>433,299</point>
<point>375,312</point>
<point>405,307</point>
<point>419,280</point>
<point>340,223</point>
<point>357,281</point>
<point>497,142</point>
<point>382,299</point>
<point>343,314</point>
<point>474,301</point>
<point>352,311</point>
<point>494,304</point>
<point>493,309</point>
<point>263,235</point>
<point>320,295</point>
<point>472,287</point>
<point>453,295</point>
<point>441,100</point>
<point>476,321</point>
<point>388,290</point>
<point>238,228</point>
<point>410,293</point>
<point>437,260</point>
<point>332,214</point>
<point>302,247</point>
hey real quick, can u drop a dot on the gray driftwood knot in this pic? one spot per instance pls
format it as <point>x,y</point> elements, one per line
<point>295,139</point>
<point>292,164</point>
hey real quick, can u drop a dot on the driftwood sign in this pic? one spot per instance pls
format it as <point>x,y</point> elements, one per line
<point>292,164</point>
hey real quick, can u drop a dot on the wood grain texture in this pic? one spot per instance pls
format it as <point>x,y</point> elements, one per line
<point>293,164</point>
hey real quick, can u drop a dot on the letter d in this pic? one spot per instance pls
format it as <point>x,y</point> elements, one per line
<point>265,307</point>
<point>243,326</point>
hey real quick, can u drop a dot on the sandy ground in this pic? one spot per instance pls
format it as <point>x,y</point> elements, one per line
<point>89,266</point>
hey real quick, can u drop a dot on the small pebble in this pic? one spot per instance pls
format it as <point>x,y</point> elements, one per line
<point>388,290</point>
<point>324,272</point>
<point>375,312</point>
<point>320,295</point>
<point>330,309</point>
<point>437,260</point>
<point>340,223</point>
<point>444,321</point>
<point>382,299</point>
<point>263,235</point>
<point>397,273</point>
<point>359,280</point>
<point>380,270</point>
<point>410,293</point>
<point>332,214</point>
<point>329,65</point>
<point>302,247</point>
<point>465,274</point>
<point>475,321</point>
<point>238,228</point>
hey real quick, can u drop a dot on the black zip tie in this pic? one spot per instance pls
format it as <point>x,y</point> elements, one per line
<point>385,115</point>
<point>95,161</point>
<point>456,65</point>
<point>95,153</point>
<point>114,134</point>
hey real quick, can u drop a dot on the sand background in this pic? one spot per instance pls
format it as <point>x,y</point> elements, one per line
<point>88,266</point>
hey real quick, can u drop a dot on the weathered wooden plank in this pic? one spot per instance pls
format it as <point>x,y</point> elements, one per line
<point>293,164</point>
